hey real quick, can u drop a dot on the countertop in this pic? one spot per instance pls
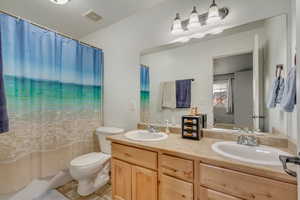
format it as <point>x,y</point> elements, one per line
<point>202,151</point>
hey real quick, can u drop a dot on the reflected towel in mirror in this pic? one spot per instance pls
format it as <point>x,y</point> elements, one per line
<point>168,95</point>
<point>183,93</point>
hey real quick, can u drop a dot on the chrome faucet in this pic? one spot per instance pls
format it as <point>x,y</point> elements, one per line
<point>247,137</point>
<point>152,129</point>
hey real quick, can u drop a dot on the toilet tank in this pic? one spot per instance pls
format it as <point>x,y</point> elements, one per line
<point>102,133</point>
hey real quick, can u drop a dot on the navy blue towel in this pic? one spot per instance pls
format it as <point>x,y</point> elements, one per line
<point>183,93</point>
<point>3,110</point>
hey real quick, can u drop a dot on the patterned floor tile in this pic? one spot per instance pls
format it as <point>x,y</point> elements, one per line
<point>69,190</point>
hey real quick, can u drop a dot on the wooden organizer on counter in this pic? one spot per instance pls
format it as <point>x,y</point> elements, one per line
<point>192,126</point>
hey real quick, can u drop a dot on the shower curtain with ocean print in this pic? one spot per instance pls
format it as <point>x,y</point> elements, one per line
<point>145,93</point>
<point>53,88</point>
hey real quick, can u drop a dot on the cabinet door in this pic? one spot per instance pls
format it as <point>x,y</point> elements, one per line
<point>206,194</point>
<point>175,189</point>
<point>144,184</point>
<point>121,180</point>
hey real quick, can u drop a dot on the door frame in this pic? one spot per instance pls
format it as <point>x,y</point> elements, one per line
<point>241,52</point>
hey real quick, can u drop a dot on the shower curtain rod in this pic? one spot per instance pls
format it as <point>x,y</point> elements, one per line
<point>49,29</point>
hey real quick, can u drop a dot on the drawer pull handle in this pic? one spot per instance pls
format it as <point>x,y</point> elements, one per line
<point>188,174</point>
<point>170,168</point>
<point>127,154</point>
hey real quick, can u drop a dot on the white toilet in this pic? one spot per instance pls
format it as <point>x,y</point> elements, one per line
<point>92,170</point>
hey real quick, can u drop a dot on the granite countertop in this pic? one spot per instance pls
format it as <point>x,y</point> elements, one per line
<point>201,150</point>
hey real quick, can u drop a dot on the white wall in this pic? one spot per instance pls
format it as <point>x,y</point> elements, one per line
<point>193,61</point>
<point>275,53</point>
<point>122,43</point>
<point>292,118</point>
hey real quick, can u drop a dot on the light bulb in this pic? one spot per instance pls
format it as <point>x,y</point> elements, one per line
<point>194,22</point>
<point>216,31</point>
<point>177,26</point>
<point>183,39</point>
<point>213,14</point>
<point>198,35</point>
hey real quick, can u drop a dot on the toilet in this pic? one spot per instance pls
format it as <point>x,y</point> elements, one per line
<point>92,170</point>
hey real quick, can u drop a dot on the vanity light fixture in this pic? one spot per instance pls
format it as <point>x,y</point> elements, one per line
<point>60,2</point>
<point>194,21</point>
<point>205,22</point>
<point>182,39</point>
<point>177,25</point>
<point>216,30</point>
<point>213,14</point>
<point>198,35</point>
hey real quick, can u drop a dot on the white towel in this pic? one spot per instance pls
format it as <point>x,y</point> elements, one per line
<point>168,90</point>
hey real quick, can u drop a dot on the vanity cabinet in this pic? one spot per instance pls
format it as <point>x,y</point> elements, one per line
<point>134,175</point>
<point>145,174</point>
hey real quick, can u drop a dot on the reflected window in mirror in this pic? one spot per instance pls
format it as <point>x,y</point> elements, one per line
<point>220,94</point>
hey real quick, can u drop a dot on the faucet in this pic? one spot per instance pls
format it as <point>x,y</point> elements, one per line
<point>152,129</point>
<point>247,137</point>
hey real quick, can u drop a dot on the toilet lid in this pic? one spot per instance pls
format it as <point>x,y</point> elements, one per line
<point>90,158</point>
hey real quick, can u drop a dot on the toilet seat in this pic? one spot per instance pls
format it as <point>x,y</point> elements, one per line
<point>89,159</point>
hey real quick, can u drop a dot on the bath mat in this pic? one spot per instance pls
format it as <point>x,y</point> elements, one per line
<point>38,190</point>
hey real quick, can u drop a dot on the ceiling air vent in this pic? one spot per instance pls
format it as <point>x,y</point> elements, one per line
<point>93,16</point>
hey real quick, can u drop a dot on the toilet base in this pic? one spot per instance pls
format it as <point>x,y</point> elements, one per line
<point>91,185</point>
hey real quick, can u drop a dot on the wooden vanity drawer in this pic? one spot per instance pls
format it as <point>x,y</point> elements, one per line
<point>245,186</point>
<point>174,189</point>
<point>136,156</point>
<point>177,167</point>
<point>207,194</point>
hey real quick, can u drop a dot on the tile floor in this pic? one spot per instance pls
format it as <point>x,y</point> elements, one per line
<point>70,191</point>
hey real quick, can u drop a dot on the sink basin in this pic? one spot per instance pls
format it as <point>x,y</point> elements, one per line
<point>145,136</point>
<point>261,155</point>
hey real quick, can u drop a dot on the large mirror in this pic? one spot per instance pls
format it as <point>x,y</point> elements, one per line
<point>227,76</point>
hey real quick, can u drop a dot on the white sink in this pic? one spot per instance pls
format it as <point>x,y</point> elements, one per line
<point>262,155</point>
<point>145,136</point>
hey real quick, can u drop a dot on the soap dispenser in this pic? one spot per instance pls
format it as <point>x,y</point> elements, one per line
<point>167,127</point>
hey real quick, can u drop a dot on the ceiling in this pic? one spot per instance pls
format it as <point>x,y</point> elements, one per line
<point>68,18</point>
